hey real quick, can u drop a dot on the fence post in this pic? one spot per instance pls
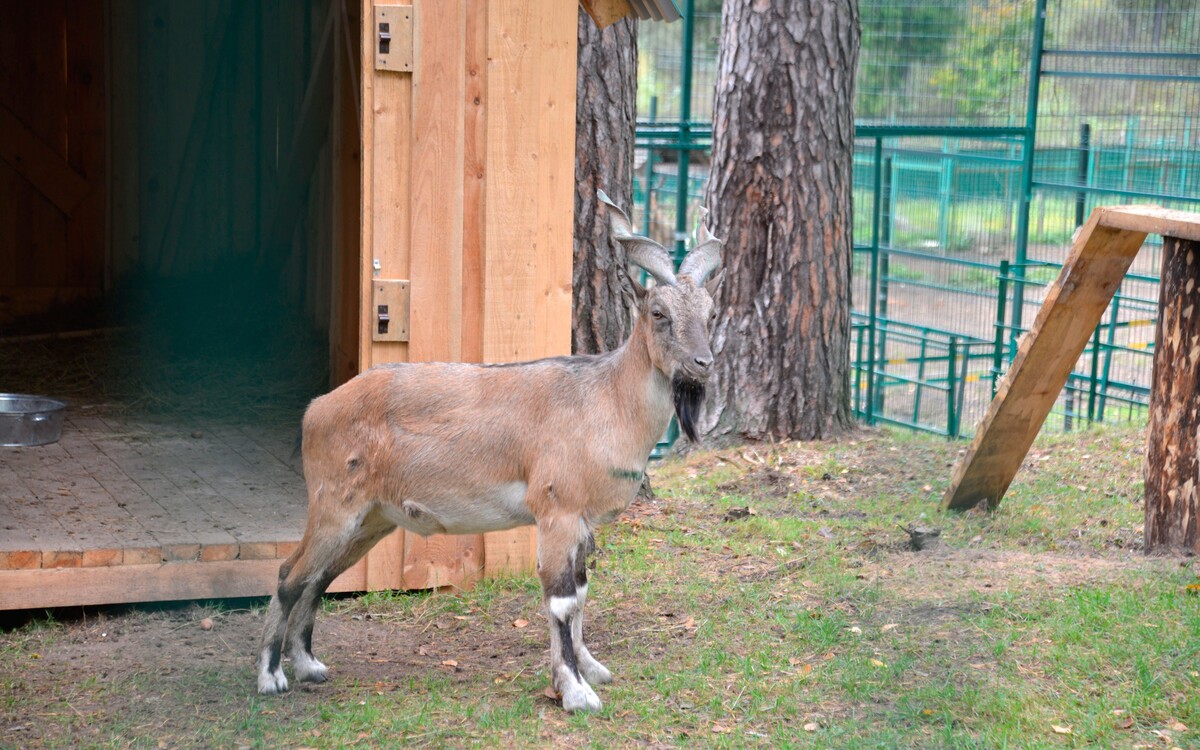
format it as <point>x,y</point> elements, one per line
<point>873,282</point>
<point>999,343</point>
<point>650,172</point>
<point>1110,344</point>
<point>1081,172</point>
<point>1030,137</point>
<point>945,181</point>
<point>685,131</point>
<point>1094,376</point>
<point>951,363</point>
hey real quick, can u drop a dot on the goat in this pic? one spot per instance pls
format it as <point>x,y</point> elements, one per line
<point>463,449</point>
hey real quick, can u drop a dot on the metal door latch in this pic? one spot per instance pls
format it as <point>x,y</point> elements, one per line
<point>394,38</point>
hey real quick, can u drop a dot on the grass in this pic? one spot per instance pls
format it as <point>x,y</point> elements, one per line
<point>804,624</point>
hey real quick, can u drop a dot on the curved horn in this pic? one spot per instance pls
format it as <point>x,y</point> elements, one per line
<point>705,256</point>
<point>640,251</point>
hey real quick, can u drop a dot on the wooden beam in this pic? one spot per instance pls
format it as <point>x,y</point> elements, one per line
<point>1104,248</point>
<point>77,586</point>
<point>607,12</point>
<point>38,163</point>
<point>387,108</point>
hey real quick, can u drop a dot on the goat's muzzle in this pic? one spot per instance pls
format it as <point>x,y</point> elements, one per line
<point>688,394</point>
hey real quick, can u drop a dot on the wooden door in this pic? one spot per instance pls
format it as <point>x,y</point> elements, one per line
<point>467,192</point>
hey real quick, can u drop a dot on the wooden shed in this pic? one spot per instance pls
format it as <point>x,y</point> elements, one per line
<point>210,199</point>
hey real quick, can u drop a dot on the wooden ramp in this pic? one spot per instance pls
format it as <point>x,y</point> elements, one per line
<point>1104,249</point>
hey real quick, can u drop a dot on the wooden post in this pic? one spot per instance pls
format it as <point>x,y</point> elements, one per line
<point>1172,462</point>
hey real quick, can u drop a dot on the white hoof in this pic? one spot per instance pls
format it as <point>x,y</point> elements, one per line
<point>592,670</point>
<point>308,669</point>
<point>272,683</point>
<point>581,697</point>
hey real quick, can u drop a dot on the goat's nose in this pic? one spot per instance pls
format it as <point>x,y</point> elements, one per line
<point>704,361</point>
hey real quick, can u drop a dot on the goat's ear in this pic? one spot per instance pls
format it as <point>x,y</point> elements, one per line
<point>639,291</point>
<point>642,252</point>
<point>712,284</point>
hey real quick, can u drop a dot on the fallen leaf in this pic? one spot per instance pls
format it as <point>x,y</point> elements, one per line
<point>889,626</point>
<point>806,669</point>
<point>1192,588</point>
<point>719,729</point>
<point>690,623</point>
<point>856,630</point>
<point>1060,730</point>
<point>927,712</point>
<point>1177,726</point>
<point>1125,722</point>
<point>520,623</point>
<point>449,663</point>
<point>552,694</point>
<point>811,726</point>
<point>877,663</point>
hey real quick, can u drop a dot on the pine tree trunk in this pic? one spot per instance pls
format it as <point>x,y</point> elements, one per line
<point>1172,461</point>
<point>780,194</point>
<point>604,139</point>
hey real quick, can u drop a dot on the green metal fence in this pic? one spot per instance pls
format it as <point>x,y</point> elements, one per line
<point>986,132</point>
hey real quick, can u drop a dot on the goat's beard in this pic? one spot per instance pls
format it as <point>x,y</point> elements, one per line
<point>688,395</point>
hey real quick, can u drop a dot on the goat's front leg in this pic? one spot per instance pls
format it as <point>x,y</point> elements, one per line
<point>561,542</point>
<point>592,670</point>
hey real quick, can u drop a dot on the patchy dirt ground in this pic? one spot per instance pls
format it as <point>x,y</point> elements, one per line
<point>763,533</point>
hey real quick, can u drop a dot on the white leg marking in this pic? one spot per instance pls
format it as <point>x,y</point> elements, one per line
<point>577,695</point>
<point>270,683</point>
<point>563,607</point>
<point>592,670</point>
<point>308,668</point>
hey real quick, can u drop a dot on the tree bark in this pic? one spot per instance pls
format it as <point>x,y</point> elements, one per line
<point>1172,462</point>
<point>604,140</point>
<point>780,195</point>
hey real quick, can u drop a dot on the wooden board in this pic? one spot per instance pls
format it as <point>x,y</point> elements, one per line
<point>1104,248</point>
<point>468,180</point>
<point>529,209</point>
<point>64,587</point>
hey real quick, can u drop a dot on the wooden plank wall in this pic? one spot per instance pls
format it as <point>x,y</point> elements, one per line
<point>52,156</point>
<point>467,191</point>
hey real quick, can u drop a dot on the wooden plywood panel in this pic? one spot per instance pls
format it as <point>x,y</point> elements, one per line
<point>529,205</point>
<point>386,230</point>
<point>474,179</point>
<point>436,244</point>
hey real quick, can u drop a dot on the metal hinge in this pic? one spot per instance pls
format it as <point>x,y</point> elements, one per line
<point>394,38</point>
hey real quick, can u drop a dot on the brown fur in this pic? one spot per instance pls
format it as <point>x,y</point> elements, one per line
<point>462,448</point>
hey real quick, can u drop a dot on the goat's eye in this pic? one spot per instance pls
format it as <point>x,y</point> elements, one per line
<point>657,314</point>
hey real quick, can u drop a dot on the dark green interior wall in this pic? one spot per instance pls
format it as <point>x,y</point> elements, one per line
<point>222,211</point>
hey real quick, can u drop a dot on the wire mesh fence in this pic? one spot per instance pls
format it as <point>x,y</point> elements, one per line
<point>986,132</point>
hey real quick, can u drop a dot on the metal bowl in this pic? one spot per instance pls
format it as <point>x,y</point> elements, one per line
<point>29,420</point>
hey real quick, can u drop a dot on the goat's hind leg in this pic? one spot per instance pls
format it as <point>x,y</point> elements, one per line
<point>271,679</point>
<point>559,544</point>
<point>300,628</point>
